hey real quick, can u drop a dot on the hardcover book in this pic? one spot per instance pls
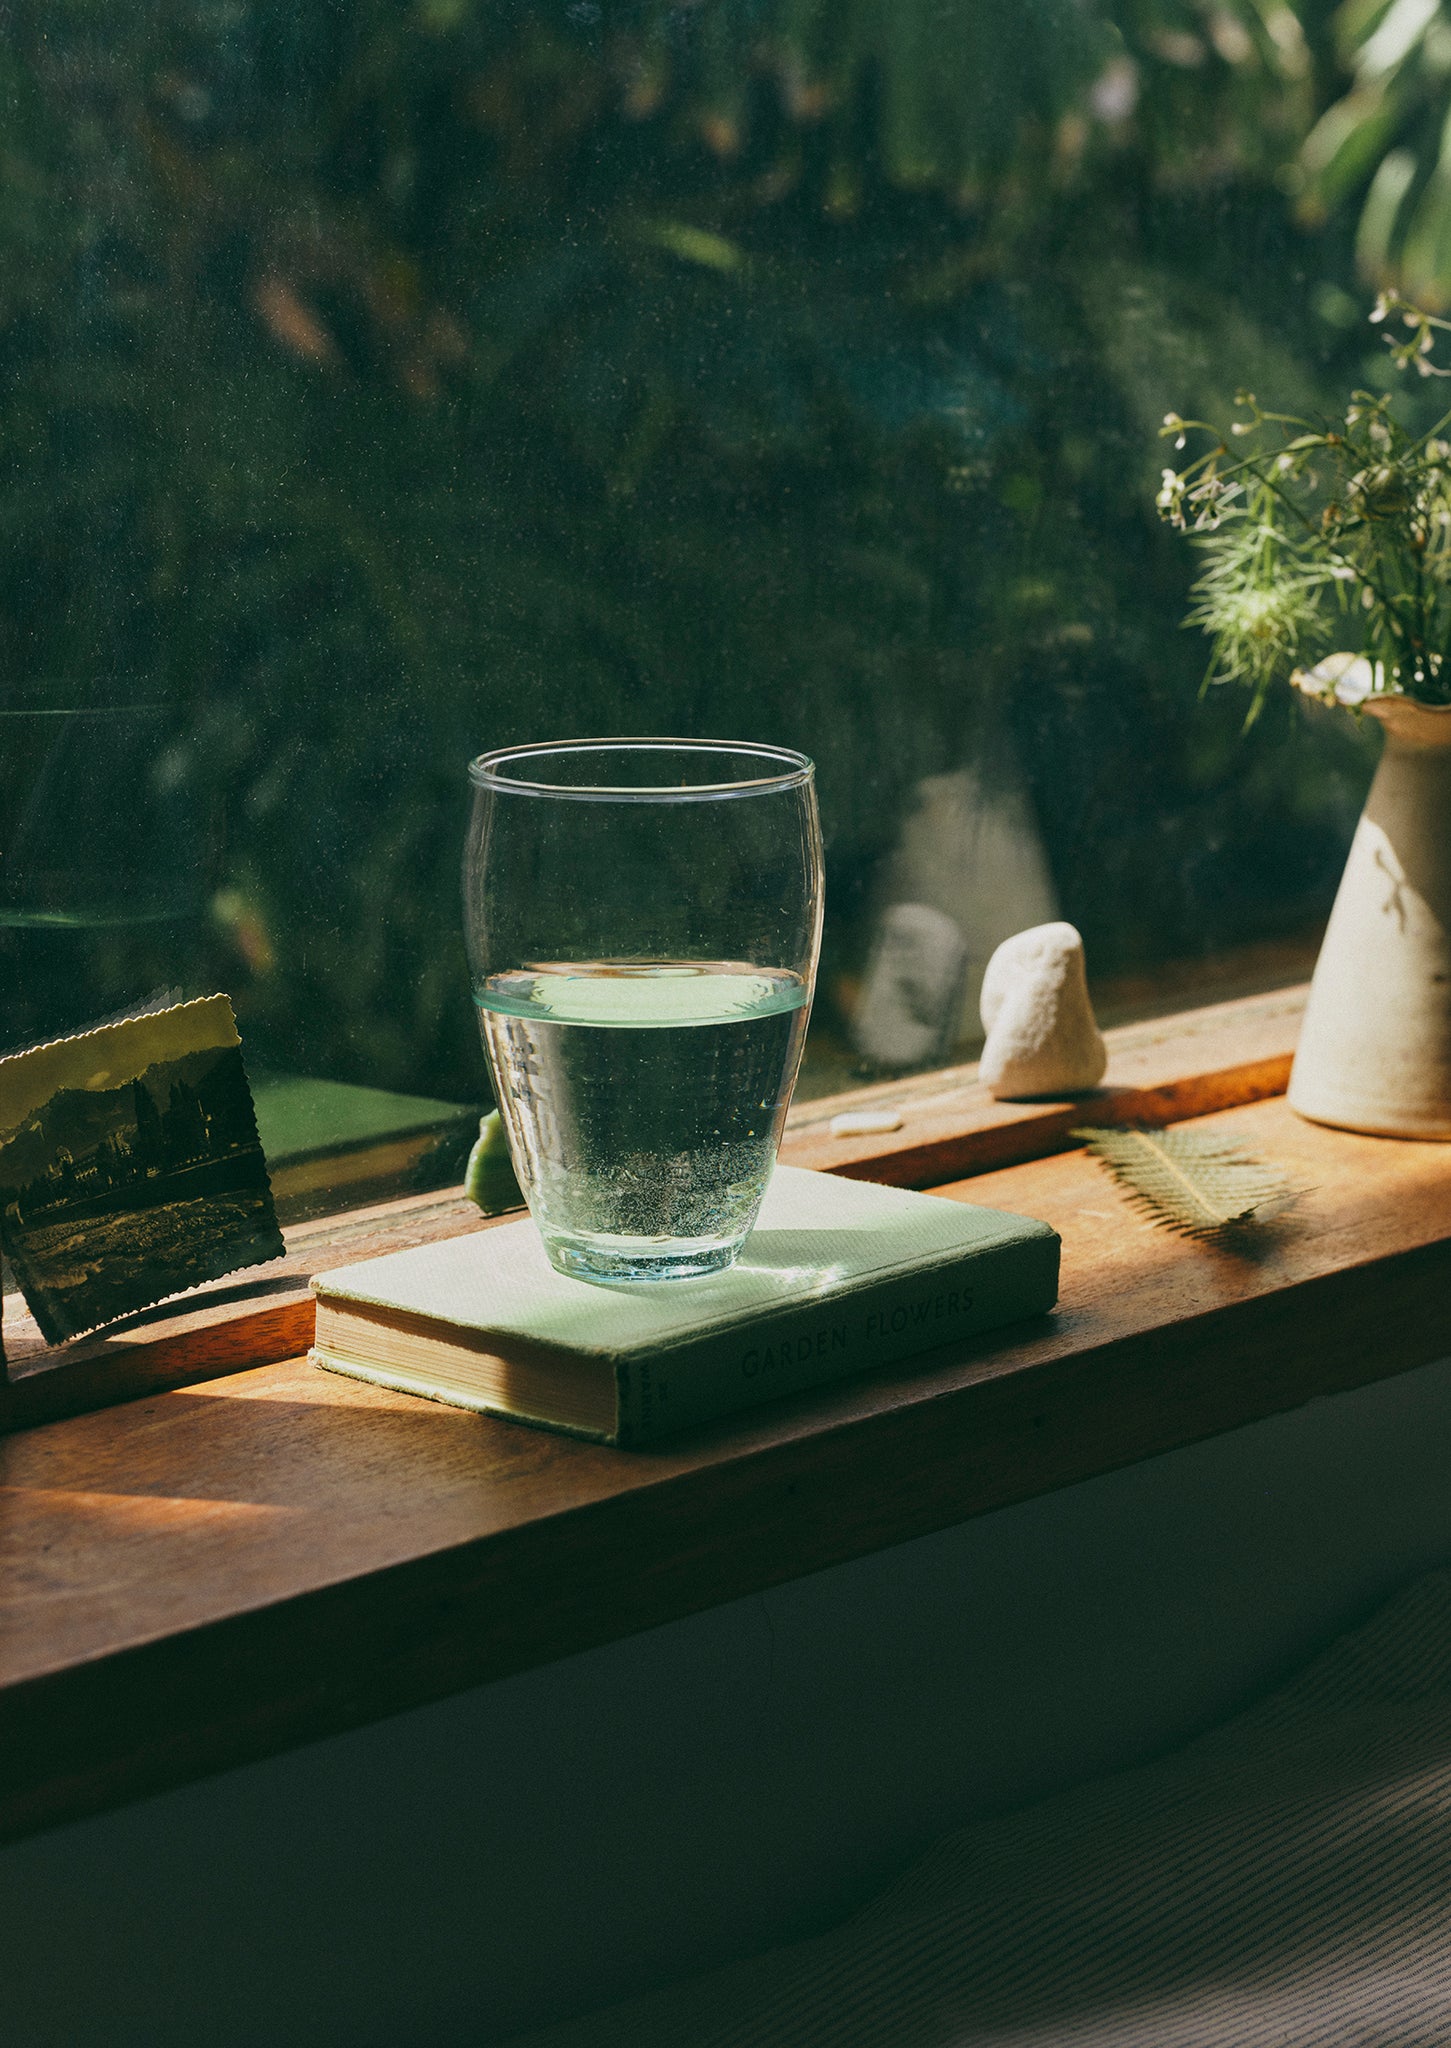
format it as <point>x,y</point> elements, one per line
<point>838,1276</point>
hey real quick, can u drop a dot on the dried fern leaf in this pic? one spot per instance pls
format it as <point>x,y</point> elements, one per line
<point>1188,1180</point>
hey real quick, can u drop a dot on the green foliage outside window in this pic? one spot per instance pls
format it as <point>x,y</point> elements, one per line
<point>388,382</point>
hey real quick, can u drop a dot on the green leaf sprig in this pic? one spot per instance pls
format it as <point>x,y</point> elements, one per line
<point>1188,1180</point>
<point>1322,532</point>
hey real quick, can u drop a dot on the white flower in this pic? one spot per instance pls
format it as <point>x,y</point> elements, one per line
<point>1340,679</point>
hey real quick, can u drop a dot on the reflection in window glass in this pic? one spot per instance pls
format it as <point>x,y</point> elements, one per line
<point>391,382</point>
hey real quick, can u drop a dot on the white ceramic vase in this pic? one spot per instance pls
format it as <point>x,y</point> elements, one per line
<point>1375,1050</point>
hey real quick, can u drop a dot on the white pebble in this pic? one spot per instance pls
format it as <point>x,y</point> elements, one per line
<point>864,1123</point>
<point>1041,1035</point>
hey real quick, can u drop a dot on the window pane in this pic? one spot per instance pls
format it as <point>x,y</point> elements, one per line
<point>392,382</point>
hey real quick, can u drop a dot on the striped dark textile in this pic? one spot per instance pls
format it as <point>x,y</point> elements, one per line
<point>1282,1881</point>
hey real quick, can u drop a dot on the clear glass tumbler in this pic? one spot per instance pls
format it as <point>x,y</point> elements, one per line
<point>643,918</point>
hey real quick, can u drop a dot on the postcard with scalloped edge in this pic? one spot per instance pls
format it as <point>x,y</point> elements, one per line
<point>130,1167</point>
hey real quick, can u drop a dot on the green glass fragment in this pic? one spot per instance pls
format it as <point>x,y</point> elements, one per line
<point>489,1178</point>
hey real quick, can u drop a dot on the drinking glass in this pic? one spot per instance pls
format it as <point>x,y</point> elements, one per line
<point>643,918</point>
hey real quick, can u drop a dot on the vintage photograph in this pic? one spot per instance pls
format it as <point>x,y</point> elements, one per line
<point>130,1166</point>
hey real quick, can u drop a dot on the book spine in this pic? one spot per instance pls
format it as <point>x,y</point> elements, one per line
<point>870,1326</point>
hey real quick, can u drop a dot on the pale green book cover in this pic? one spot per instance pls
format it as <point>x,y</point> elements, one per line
<point>837,1276</point>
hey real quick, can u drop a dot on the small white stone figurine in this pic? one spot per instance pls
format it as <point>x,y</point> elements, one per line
<point>1042,1038</point>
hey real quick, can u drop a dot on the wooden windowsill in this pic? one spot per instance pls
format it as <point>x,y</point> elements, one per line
<point>1161,1072</point>
<point>222,1568</point>
<point>1158,1073</point>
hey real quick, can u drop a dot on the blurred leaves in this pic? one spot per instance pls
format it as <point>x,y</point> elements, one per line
<point>1385,144</point>
<point>392,381</point>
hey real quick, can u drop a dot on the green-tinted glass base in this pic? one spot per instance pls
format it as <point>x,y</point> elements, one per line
<point>625,1261</point>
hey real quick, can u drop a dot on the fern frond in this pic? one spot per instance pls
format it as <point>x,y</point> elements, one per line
<point>1186,1179</point>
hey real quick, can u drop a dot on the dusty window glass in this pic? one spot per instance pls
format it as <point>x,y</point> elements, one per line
<point>390,382</point>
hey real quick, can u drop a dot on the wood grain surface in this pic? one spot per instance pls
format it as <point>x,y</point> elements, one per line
<point>215,1572</point>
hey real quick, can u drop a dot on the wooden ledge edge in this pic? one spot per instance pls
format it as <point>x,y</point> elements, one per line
<point>334,1657</point>
<point>1164,1071</point>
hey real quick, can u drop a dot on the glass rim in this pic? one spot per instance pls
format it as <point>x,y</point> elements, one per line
<point>789,770</point>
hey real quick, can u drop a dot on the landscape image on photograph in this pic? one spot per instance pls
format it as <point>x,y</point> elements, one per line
<point>124,1187</point>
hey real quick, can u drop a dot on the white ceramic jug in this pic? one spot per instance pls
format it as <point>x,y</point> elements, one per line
<point>1375,1050</point>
